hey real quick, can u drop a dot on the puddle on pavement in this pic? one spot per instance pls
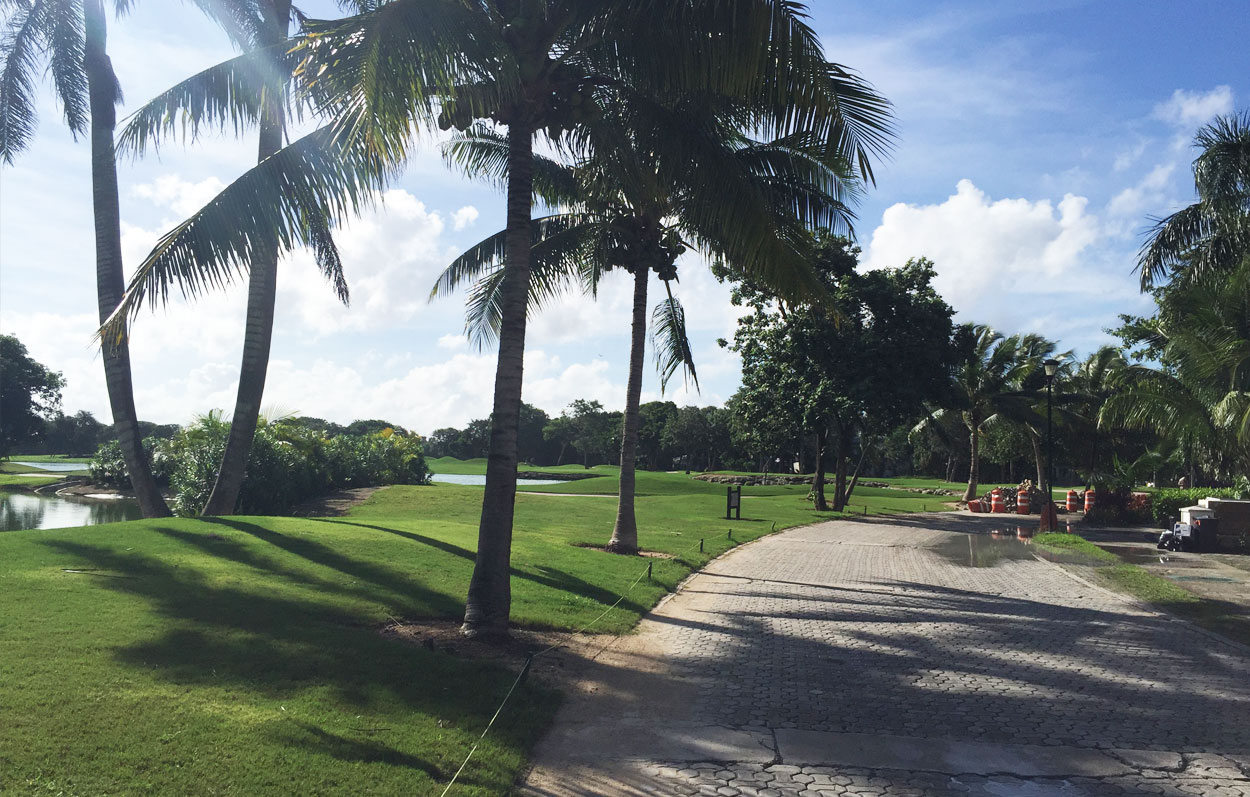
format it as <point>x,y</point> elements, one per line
<point>986,550</point>
<point>1003,545</point>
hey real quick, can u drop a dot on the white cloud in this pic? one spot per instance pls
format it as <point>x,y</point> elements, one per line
<point>992,255</point>
<point>1189,109</point>
<point>1148,194</point>
<point>453,341</point>
<point>464,217</point>
<point>1126,158</point>
<point>181,196</point>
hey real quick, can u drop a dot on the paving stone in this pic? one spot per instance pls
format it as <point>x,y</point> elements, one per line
<point>875,629</point>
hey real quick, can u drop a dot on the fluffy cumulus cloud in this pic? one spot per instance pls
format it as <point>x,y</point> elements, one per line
<point>1188,109</point>
<point>1002,261</point>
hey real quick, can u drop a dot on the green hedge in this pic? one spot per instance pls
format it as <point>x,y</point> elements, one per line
<point>288,464</point>
<point>1166,508</point>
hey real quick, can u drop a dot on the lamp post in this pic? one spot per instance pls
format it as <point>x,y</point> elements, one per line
<point>1049,521</point>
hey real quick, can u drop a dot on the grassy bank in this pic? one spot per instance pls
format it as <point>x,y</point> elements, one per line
<point>1129,579</point>
<point>243,655</point>
<point>25,477</point>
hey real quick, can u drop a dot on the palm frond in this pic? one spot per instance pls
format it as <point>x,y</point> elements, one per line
<point>482,152</point>
<point>19,49</point>
<point>670,340</point>
<point>226,96</point>
<point>289,198</point>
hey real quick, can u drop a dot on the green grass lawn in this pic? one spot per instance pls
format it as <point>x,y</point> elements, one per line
<point>15,475</point>
<point>24,476</point>
<point>242,656</point>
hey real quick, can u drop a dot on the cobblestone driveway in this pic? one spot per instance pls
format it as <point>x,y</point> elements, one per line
<point>868,657</point>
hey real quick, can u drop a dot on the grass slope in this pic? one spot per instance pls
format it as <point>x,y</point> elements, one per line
<point>241,656</point>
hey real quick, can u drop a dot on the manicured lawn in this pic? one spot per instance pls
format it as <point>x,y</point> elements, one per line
<point>243,655</point>
<point>23,476</point>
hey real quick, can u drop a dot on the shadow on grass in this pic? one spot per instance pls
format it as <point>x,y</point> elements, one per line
<point>279,633</point>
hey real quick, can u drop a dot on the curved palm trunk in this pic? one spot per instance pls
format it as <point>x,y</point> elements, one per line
<point>490,592</point>
<point>1038,459</point>
<point>110,279</point>
<point>839,472</point>
<point>262,289</point>
<point>974,462</point>
<point>625,532</point>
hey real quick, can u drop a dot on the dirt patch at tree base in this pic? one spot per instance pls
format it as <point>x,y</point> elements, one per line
<point>562,655</point>
<point>335,504</point>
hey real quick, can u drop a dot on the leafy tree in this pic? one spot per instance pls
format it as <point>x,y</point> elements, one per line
<point>834,368</point>
<point>77,435</point>
<point>687,433</point>
<point>372,426</point>
<point>653,416</point>
<point>30,395</point>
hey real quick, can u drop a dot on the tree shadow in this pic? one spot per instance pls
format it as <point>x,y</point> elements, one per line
<point>286,633</point>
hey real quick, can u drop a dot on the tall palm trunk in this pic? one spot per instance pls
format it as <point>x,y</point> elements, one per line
<point>262,290</point>
<point>625,532</point>
<point>490,591</point>
<point>110,278</point>
<point>974,461</point>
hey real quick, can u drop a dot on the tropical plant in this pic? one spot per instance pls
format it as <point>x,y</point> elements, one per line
<point>536,68</point>
<point>294,196</point>
<point>72,36</point>
<point>1209,239</point>
<point>630,206</point>
<point>989,387</point>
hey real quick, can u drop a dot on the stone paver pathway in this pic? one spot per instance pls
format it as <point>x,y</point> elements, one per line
<point>867,657</point>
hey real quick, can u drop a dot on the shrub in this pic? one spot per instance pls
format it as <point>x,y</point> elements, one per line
<point>1168,502</point>
<point>288,464</point>
<point>108,469</point>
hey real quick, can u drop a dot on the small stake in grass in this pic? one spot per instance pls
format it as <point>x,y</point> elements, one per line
<point>730,535</point>
<point>649,570</point>
<point>700,545</point>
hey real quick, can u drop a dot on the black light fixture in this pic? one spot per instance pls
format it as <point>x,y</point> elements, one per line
<point>1048,498</point>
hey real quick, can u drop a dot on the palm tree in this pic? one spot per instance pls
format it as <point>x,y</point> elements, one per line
<point>293,197</point>
<point>989,387</point>
<point>1090,386</point>
<point>534,68</point>
<point>73,36</point>
<point>1211,237</point>
<point>637,211</point>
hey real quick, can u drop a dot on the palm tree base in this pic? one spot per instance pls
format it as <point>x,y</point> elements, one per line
<point>485,633</point>
<point>616,546</point>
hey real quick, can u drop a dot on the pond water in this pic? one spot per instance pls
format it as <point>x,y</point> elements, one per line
<point>56,467</point>
<point>479,479</point>
<point>31,511</point>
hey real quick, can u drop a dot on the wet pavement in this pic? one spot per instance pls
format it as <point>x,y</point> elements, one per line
<point>916,655</point>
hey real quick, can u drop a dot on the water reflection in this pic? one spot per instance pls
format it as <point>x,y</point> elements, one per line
<point>987,550</point>
<point>32,511</point>
<point>479,479</point>
<point>54,467</point>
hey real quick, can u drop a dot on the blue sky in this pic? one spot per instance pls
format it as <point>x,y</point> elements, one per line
<point>1035,143</point>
